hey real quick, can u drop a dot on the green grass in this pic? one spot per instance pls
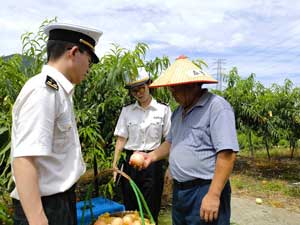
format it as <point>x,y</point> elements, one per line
<point>275,153</point>
<point>273,180</point>
<point>165,217</point>
<point>257,185</point>
<point>260,175</point>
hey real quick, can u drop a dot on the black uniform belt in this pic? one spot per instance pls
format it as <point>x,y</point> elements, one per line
<point>132,151</point>
<point>65,194</point>
<point>190,184</point>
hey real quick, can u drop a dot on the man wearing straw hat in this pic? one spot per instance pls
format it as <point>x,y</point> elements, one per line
<point>201,145</point>
<point>46,152</point>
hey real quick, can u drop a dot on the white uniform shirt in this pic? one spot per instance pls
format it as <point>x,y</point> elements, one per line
<point>144,128</point>
<point>44,126</point>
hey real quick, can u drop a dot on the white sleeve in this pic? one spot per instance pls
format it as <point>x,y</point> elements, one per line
<point>34,123</point>
<point>121,127</point>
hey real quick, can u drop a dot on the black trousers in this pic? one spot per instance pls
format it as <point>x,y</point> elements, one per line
<point>60,209</point>
<point>150,181</point>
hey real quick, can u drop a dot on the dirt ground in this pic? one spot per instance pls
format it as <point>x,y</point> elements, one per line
<point>245,211</point>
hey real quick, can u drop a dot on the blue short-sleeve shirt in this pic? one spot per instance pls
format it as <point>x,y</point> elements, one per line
<point>196,138</point>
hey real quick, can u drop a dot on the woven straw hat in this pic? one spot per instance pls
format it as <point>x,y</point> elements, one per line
<point>182,71</point>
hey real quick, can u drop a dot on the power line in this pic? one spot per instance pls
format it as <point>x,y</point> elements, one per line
<point>220,72</point>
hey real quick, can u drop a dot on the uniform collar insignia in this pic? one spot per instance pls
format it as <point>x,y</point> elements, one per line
<point>51,83</point>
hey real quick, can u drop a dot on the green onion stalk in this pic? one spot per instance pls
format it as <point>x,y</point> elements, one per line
<point>139,197</point>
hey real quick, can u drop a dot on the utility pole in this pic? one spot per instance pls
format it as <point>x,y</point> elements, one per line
<point>220,71</point>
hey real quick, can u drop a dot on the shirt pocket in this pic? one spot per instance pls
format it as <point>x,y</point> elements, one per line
<point>195,135</point>
<point>63,137</point>
<point>155,130</point>
<point>133,129</point>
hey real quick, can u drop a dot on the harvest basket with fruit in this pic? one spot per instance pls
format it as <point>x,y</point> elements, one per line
<point>122,218</point>
<point>140,217</point>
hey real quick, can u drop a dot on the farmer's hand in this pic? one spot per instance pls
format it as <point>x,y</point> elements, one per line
<point>210,207</point>
<point>147,160</point>
<point>140,160</point>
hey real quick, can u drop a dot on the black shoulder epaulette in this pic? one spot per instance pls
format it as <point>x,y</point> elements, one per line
<point>163,103</point>
<point>51,83</point>
<point>128,104</point>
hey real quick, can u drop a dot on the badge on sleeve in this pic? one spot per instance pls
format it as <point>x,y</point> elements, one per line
<point>51,83</point>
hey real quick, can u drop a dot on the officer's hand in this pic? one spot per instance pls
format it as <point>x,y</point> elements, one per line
<point>38,219</point>
<point>115,176</point>
<point>115,173</point>
<point>209,207</point>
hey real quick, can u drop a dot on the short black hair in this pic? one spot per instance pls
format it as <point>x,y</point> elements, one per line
<point>56,48</point>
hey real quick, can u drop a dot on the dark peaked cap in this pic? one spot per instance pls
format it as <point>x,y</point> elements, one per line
<point>83,36</point>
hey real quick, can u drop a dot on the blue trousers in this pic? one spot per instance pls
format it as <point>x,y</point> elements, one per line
<point>187,203</point>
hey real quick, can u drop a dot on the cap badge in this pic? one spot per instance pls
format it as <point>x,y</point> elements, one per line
<point>87,44</point>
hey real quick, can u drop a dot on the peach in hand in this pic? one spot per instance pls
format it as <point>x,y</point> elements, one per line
<point>137,160</point>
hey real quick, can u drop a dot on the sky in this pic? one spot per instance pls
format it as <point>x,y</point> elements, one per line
<point>256,36</point>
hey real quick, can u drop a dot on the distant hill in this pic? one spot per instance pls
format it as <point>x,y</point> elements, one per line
<point>26,60</point>
<point>8,57</point>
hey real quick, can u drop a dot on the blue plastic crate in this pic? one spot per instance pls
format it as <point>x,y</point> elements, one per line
<point>100,205</point>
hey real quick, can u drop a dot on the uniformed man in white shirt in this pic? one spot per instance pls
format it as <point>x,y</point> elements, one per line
<point>46,153</point>
<point>141,127</point>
